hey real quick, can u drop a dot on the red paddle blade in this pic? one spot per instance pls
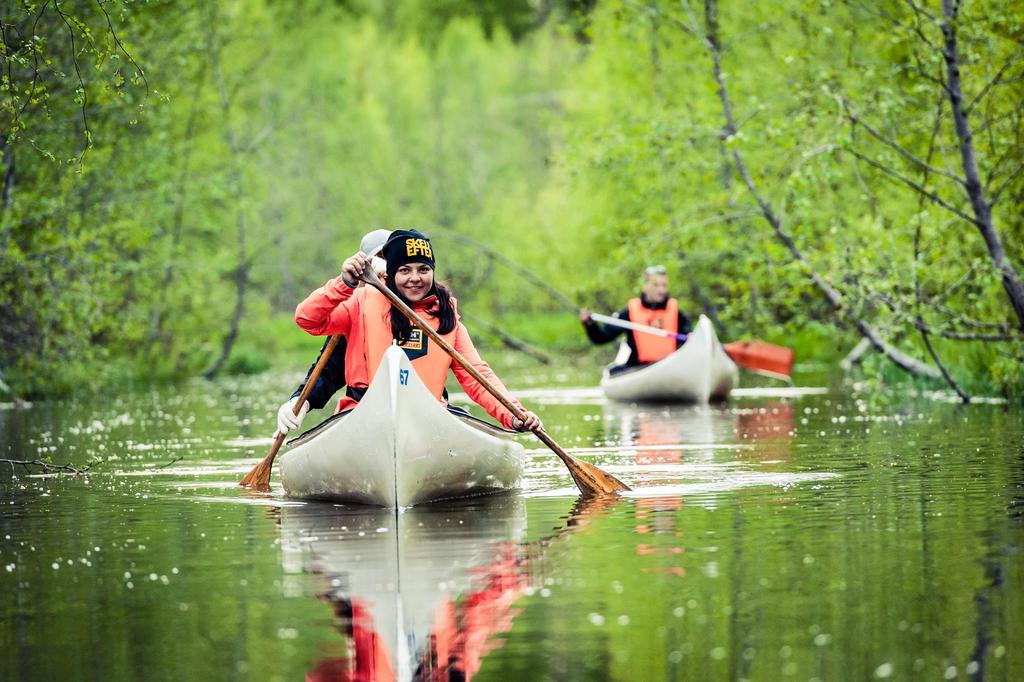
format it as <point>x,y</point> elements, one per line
<point>761,357</point>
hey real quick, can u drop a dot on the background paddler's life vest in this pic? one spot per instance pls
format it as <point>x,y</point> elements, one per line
<point>432,366</point>
<point>651,347</point>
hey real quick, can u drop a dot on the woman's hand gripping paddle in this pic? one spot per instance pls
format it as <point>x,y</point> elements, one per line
<point>590,479</point>
<point>259,477</point>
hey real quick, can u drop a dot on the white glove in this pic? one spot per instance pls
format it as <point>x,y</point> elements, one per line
<point>287,419</point>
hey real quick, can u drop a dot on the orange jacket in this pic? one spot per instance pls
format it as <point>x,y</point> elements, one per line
<point>362,317</point>
<point>650,347</point>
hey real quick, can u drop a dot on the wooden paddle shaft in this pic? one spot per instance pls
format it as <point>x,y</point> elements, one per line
<point>278,442</point>
<point>325,355</point>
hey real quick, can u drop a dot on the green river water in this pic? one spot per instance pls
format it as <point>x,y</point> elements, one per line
<point>788,535</point>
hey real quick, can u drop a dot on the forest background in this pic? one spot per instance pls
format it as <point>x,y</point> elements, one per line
<point>176,176</point>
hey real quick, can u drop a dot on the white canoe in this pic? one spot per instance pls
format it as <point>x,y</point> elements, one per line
<point>698,372</point>
<point>400,447</point>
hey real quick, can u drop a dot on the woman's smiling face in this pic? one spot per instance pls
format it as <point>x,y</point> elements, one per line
<point>414,281</point>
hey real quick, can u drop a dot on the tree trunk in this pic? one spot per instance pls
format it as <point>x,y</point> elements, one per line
<point>855,355</point>
<point>8,151</point>
<point>975,190</point>
<point>901,359</point>
<point>8,189</point>
<point>241,280</point>
<point>242,272</point>
<point>918,293</point>
<point>667,199</point>
<point>158,317</point>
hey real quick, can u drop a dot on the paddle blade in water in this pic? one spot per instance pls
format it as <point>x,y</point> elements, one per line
<point>761,357</point>
<point>259,477</point>
<point>589,478</point>
<point>592,480</point>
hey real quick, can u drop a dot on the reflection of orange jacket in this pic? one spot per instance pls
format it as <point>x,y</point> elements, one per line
<point>463,633</point>
<point>651,347</point>
<point>370,659</point>
<point>363,318</point>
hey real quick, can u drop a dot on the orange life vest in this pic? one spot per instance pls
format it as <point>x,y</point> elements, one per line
<point>651,347</point>
<point>364,318</point>
<point>432,367</point>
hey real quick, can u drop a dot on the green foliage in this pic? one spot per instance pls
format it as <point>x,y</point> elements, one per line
<point>247,360</point>
<point>582,143</point>
<point>556,331</point>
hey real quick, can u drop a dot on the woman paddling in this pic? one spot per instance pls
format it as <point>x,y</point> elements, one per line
<point>370,323</point>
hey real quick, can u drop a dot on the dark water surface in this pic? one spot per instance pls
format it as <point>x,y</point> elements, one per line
<point>788,535</point>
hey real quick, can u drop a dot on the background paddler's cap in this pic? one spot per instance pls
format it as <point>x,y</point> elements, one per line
<point>374,241</point>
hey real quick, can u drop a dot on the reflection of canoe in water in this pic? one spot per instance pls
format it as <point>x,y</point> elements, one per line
<point>400,578</point>
<point>663,434</point>
<point>400,447</point>
<point>699,371</point>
